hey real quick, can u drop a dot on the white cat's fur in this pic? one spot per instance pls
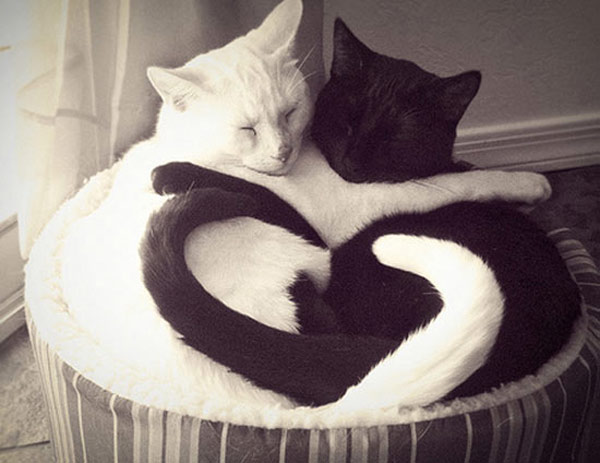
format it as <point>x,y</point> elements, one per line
<point>271,258</point>
<point>242,110</point>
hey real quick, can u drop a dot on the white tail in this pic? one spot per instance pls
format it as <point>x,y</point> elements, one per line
<point>436,358</point>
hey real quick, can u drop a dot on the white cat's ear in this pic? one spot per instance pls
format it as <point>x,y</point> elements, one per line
<point>174,86</point>
<point>279,28</point>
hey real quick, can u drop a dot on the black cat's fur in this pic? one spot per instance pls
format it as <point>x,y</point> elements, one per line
<point>377,119</point>
<point>541,300</point>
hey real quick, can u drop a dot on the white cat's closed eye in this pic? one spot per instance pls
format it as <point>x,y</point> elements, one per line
<point>289,113</point>
<point>250,129</point>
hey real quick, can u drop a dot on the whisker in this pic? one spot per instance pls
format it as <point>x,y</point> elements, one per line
<point>306,57</point>
<point>299,67</point>
<point>304,78</point>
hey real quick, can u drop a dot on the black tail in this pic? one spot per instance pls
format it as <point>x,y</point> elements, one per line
<point>312,369</point>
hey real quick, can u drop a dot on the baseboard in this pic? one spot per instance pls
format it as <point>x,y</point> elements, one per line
<point>542,145</point>
<point>12,314</point>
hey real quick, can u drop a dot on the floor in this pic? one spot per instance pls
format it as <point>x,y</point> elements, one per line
<point>24,435</point>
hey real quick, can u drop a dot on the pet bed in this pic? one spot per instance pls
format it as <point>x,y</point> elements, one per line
<point>546,417</point>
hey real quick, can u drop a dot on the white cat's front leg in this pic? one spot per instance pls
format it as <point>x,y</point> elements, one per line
<point>482,185</point>
<point>357,205</point>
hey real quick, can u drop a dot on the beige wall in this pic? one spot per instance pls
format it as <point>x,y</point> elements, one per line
<point>540,62</point>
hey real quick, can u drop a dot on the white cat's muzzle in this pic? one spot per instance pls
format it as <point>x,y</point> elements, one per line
<point>279,164</point>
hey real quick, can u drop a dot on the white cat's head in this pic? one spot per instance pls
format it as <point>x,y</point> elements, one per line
<point>243,104</point>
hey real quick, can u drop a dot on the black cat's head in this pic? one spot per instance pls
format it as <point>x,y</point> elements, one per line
<point>385,119</point>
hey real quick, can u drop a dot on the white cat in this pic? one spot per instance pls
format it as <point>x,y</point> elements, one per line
<point>240,110</point>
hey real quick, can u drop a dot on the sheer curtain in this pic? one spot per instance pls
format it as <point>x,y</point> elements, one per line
<point>87,98</point>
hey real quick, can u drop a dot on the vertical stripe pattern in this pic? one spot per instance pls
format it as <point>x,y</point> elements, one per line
<point>80,416</point>
<point>115,429</point>
<point>469,426</point>
<point>552,424</point>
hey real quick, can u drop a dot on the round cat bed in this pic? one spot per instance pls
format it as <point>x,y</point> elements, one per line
<point>546,417</point>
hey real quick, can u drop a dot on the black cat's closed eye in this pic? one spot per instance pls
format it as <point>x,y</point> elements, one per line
<point>250,129</point>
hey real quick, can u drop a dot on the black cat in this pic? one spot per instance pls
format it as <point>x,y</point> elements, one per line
<point>383,119</point>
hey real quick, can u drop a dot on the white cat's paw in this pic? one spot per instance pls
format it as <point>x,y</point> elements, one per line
<point>531,188</point>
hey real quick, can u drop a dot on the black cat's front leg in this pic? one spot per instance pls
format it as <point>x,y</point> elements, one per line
<point>176,177</point>
<point>181,177</point>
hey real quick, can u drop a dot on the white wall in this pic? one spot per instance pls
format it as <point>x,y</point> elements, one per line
<point>539,104</point>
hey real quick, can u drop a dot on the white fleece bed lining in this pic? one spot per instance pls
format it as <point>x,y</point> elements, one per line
<point>78,349</point>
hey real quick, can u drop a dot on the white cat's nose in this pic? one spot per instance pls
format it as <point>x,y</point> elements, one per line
<point>284,153</point>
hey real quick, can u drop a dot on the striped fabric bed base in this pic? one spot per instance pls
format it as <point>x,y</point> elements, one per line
<point>553,424</point>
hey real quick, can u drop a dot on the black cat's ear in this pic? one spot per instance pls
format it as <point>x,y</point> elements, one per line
<point>456,93</point>
<point>349,54</point>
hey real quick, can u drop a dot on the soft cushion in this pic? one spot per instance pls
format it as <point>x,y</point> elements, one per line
<point>101,408</point>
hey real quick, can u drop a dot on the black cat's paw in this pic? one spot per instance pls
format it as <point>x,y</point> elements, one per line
<point>174,178</point>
